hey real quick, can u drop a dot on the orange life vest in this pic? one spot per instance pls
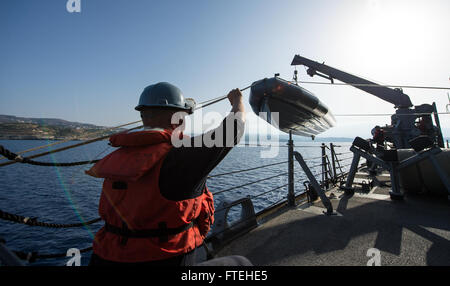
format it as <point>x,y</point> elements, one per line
<point>142,225</point>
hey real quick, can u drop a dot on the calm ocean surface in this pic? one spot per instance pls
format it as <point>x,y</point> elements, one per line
<point>66,195</point>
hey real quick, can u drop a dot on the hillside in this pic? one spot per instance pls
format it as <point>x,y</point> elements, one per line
<point>22,128</point>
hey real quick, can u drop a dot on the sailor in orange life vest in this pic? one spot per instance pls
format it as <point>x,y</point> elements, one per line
<point>155,203</point>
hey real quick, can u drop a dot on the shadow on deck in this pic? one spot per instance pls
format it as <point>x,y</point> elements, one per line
<point>415,231</point>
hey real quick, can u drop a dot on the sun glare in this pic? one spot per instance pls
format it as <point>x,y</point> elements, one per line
<point>405,31</point>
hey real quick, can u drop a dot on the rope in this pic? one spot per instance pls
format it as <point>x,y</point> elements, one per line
<point>33,222</point>
<point>66,148</point>
<point>39,147</point>
<point>17,158</point>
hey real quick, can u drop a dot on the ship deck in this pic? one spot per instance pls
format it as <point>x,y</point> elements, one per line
<point>414,231</point>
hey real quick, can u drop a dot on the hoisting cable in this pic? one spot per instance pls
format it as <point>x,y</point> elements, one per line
<point>26,160</point>
<point>387,114</point>
<point>376,85</point>
<point>215,100</point>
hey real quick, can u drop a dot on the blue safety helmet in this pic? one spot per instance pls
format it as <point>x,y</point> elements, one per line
<point>164,94</point>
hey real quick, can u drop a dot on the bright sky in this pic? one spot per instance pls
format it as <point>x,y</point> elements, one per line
<point>92,66</point>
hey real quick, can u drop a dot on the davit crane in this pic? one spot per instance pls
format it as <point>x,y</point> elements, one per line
<point>407,123</point>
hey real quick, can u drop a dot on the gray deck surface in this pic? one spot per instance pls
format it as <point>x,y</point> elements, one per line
<point>415,231</point>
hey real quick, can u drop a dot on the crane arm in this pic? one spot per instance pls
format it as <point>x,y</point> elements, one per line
<point>394,96</point>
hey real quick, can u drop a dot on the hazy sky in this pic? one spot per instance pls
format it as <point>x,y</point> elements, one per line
<point>92,66</point>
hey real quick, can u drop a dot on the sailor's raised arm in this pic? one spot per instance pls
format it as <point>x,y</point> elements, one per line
<point>235,98</point>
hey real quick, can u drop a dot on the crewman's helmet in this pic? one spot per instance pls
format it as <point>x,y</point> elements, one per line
<point>164,94</point>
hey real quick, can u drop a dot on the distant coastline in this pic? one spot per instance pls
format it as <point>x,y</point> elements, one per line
<point>23,128</point>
